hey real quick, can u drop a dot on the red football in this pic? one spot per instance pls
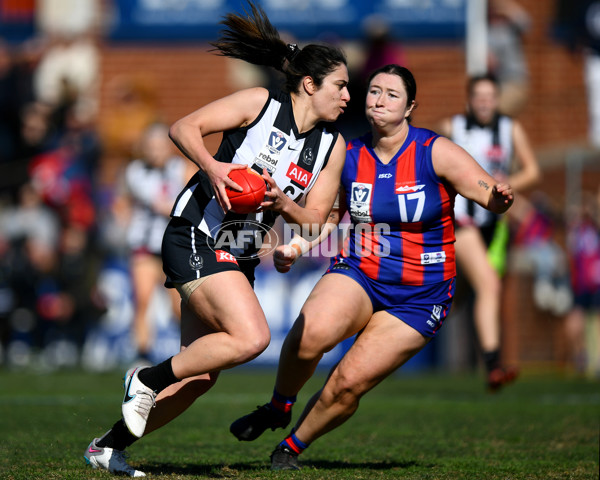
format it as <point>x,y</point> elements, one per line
<point>253,193</point>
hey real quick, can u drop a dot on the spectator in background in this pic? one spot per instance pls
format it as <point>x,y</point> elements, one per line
<point>535,223</point>
<point>62,177</point>
<point>508,22</point>
<point>29,243</point>
<point>152,183</point>
<point>493,140</point>
<point>69,68</point>
<point>9,104</point>
<point>37,135</point>
<point>577,25</point>
<point>132,108</point>
<point>583,322</point>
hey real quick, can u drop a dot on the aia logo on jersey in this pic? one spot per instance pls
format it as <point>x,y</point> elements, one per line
<point>223,256</point>
<point>277,141</point>
<point>299,175</point>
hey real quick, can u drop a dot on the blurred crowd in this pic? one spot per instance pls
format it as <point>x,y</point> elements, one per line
<point>61,225</point>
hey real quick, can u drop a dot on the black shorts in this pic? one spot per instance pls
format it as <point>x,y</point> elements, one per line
<point>487,231</point>
<point>188,254</point>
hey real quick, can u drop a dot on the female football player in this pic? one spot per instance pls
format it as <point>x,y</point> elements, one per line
<point>274,133</point>
<point>499,144</point>
<point>393,282</point>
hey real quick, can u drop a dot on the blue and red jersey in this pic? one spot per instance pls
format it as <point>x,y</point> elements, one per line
<point>402,213</point>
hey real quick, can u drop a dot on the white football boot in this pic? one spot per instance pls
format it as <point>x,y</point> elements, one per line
<point>137,402</point>
<point>109,459</point>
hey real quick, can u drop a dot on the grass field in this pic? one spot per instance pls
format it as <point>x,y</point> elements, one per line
<point>425,426</point>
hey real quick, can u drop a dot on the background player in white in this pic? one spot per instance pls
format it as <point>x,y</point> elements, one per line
<point>151,184</point>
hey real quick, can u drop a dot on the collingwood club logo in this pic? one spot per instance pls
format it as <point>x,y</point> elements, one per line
<point>196,261</point>
<point>308,156</point>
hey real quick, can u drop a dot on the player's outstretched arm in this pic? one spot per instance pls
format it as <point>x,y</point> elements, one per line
<point>457,167</point>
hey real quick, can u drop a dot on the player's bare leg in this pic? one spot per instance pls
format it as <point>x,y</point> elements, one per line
<point>320,326</point>
<point>385,345</point>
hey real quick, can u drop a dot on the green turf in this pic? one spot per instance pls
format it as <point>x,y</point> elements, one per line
<point>423,426</point>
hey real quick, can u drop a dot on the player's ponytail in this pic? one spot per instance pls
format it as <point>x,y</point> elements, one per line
<point>254,39</point>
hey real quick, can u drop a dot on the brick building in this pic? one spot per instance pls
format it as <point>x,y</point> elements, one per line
<point>185,76</point>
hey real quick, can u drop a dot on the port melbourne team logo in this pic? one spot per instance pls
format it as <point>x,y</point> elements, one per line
<point>360,201</point>
<point>268,157</point>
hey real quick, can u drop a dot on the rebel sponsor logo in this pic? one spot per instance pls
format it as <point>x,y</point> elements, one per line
<point>223,256</point>
<point>265,160</point>
<point>299,175</point>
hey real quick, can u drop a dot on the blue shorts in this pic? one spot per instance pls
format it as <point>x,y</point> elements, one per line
<point>423,307</point>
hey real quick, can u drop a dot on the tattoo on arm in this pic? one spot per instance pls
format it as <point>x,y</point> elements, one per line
<point>333,216</point>
<point>482,184</point>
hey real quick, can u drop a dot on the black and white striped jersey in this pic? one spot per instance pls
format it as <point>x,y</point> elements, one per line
<point>270,142</point>
<point>145,184</point>
<point>492,147</point>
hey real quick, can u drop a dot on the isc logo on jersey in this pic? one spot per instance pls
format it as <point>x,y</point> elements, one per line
<point>268,157</point>
<point>299,175</point>
<point>360,201</point>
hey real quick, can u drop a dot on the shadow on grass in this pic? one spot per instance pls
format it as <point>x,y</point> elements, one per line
<point>226,471</point>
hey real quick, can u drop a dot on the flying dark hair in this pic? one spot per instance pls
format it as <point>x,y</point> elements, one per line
<point>252,38</point>
<point>410,84</point>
